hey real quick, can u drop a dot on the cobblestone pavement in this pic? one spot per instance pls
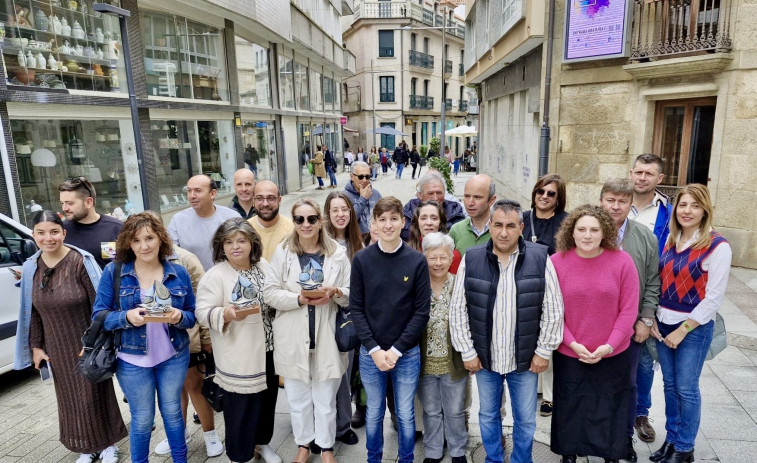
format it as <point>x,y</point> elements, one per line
<point>29,421</point>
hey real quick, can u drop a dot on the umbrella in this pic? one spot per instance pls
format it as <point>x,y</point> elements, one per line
<point>462,131</point>
<point>386,130</point>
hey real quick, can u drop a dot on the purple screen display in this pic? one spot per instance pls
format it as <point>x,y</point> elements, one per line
<point>595,28</point>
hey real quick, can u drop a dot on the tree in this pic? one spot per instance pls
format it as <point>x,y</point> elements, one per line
<point>442,165</point>
<point>436,145</point>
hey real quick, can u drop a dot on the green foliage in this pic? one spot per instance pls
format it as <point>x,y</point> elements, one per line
<point>442,166</point>
<point>436,145</point>
<point>424,151</point>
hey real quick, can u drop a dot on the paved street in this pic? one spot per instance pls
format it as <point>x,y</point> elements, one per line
<point>29,422</point>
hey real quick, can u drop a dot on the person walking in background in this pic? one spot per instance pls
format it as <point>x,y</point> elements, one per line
<point>375,161</point>
<point>384,159</point>
<point>400,158</point>
<point>319,167</point>
<point>415,159</point>
<point>694,269</point>
<point>600,288</point>
<point>330,161</point>
<point>57,293</point>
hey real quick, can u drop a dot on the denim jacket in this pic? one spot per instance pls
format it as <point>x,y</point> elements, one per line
<point>22,357</point>
<point>134,339</point>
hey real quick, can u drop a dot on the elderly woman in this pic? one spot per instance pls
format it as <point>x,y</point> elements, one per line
<point>153,357</point>
<point>600,288</point>
<point>230,303</point>
<point>306,353</point>
<point>694,267</point>
<point>57,293</point>
<point>442,384</point>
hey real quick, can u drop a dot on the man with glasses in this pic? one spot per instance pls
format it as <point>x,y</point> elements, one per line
<point>362,194</point>
<point>85,227</point>
<point>270,225</point>
<point>244,185</point>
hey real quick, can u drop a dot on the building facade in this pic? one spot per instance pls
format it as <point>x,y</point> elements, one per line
<point>217,83</point>
<point>401,72</point>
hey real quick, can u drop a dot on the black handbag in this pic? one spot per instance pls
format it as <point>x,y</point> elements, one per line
<point>98,360</point>
<point>345,332</point>
<point>212,391</point>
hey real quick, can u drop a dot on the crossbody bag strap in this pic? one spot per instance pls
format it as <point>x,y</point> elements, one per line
<point>117,296</point>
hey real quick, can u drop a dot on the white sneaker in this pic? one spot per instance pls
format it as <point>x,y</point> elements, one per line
<point>213,443</point>
<point>86,458</point>
<point>269,456</point>
<point>164,448</point>
<point>110,455</point>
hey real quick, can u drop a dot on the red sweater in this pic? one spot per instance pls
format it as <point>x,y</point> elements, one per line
<point>601,297</point>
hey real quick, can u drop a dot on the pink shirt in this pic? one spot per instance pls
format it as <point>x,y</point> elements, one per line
<point>601,297</point>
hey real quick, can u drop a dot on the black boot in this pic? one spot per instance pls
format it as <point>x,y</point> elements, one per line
<point>358,418</point>
<point>630,452</point>
<point>663,452</point>
<point>680,457</point>
<point>568,459</point>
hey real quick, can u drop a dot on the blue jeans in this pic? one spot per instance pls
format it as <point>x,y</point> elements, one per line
<point>400,168</point>
<point>522,388</point>
<point>681,368</point>
<point>139,385</point>
<point>404,378</point>
<point>644,379</point>
<point>332,176</point>
<point>320,181</point>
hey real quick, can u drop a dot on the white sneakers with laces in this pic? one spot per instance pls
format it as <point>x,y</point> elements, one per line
<point>267,453</point>
<point>86,458</point>
<point>163,448</point>
<point>109,455</point>
<point>213,443</point>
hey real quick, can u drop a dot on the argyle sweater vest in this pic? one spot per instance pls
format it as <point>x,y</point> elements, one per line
<point>683,279</point>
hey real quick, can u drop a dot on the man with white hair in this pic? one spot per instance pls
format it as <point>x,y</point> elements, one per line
<point>362,194</point>
<point>431,188</point>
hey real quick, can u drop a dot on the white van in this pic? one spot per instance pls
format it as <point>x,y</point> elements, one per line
<point>16,245</point>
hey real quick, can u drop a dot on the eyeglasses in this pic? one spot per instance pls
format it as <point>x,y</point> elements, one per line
<point>80,181</point>
<point>550,193</point>
<point>312,219</point>
<point>362,177</point>
<point>442,259</point>
<point>46,278</point>
<point>262,199</point>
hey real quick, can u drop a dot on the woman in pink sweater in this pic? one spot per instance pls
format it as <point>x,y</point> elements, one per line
<point>600,290</point>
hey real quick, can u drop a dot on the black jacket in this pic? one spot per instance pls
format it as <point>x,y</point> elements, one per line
<point>414,157</point>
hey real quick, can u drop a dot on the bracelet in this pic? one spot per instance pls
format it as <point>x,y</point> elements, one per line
<point>688,327</point>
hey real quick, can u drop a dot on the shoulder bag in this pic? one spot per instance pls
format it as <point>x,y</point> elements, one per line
<point>718,344</point>
<point>212,391</point>
<point>98,359</point>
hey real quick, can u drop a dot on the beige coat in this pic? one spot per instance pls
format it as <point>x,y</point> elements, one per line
<point>319,167</point>
<point>290,328</point>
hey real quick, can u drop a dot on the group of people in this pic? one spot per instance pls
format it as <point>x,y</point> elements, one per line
<point>438,291</point>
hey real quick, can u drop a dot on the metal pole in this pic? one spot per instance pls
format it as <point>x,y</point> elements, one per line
<point>373,103</point>
<point>402,79</point>
<point>444,81</point>
<point>545,130</point>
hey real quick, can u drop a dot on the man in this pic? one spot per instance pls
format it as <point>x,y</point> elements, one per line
<point>478,197</point>
<point>251,158</point>
<point>85,227</point>
<point>400,158</point>
<point>349,158</point>
<point>431,188</point>
<point>362,194</point>
<point>330,160</point>
<point>390,299</point>
<point>193,228</point>
<point>652,209</point>
<point>638,241</point>
<point>509,336</point>
<point>244,184</point>
<point>272,227</point>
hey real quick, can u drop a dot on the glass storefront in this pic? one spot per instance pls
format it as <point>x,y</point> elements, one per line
<point>301,86</point>
<point>286,82</point>
<point>252,72</point>
<point>306,151</point>
<point>316,90</point>
<point>259,140</point>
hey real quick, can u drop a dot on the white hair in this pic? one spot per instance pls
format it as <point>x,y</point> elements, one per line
<point>438,240</point>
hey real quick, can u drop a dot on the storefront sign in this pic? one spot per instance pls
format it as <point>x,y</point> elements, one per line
<point>343,120</point>
<point>596,29</point>
<point>261,125</point>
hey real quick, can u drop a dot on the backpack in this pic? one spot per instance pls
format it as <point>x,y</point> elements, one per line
<point>98,360</point>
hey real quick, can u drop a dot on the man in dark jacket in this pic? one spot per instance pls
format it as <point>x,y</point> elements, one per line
<point>400,158</point>
<point>330,162</point>
<point>509,336</point>
<point>431,188</point>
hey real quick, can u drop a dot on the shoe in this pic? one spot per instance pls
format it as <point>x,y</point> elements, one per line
<point>432,460</point>
<point>358,418</point>
<point>680,457</point>
<point>630,452</point>
<point>213,444</point>
<point>461,459</point>
<point>315,449</point>
<point>663,452</point>
<point>196,418</point>
<point>644,430</point>
<point>395,425</point>
<point>319,188</point>
<point>546,408</point>
<point>267,454</point>
<point>109,455</point>
<point>87,458</point>
<point>568,459</point>
<point>349,437</point>
<point>418,435</point>
<point>163,448</point>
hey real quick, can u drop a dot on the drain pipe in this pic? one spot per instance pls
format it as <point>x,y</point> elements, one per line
<point>545,130</point>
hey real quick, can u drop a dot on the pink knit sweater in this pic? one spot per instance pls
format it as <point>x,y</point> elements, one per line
<point>601,297</point>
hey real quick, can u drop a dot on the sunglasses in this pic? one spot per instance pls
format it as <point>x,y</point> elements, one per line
<point>312,219</point>
<point>362,177</point>
<point>550,193</point>
<point>80,181</point>
<point>46,278</point>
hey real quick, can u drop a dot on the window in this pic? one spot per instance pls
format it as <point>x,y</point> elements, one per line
<point>254,81</point>
<point>388,141</point>
<point>301,86</point>
<point>316,90</point>
<point>386,84</point>
<point>286,79</point>
<point>386,44</point>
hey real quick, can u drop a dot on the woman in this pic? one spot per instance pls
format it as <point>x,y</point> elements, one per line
<point>319,167</point>
<point>696,254</point>
<point>600,289</point>
<point>373,235</point>
<point>306,354</point>
<point>360,156</point>
<point>429,217</point>
<point>238,277</point>
<point>415,158</point>
<point>153,357</point>
<point>540,225</point>
<point>442,384</point>
<point>57,292</point>
<point>385,161</point>
<point>373,160</point>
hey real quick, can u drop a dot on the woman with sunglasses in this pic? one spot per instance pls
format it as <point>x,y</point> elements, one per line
<point>57,292</point>
<point>153,357</point>
<point>306,354</point>
<point>429,217</point>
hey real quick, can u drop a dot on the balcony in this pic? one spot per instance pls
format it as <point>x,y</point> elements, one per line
<point>421,60</point>
<point>461,71</point>
<point>448,67</point>
<point>386,52</point>
<point>463,106</point>
<point>398,9</point>
<point>448,104</point>
<point>421,102</point>
<point>668,29</point>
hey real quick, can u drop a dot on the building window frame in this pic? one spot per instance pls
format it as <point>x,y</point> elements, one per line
<point>386,89</point>
<point>386,43</point>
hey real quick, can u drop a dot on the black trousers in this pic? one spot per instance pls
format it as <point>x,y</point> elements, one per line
<point>241,414</point>
<point>268,409</point>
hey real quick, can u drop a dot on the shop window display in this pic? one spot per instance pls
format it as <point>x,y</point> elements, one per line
<point>61,44</point>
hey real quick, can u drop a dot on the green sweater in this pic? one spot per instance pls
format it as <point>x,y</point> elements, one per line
<point>641,244</point>
<point>465,238</point>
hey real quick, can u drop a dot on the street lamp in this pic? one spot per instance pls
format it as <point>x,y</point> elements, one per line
<point>122,15</point>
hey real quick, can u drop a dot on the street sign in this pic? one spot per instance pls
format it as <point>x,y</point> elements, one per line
<point>343,120</point>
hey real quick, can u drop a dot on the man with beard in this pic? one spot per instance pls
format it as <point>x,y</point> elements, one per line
<point>269,224</point>
<point>85,228</point>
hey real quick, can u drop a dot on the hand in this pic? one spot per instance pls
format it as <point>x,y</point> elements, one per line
<point>473,365</point>
<point>675,337</point>
<point>176,316</point>
<point>207,348</point>
<point>600,352</point>
<point>641,331</point>
<point>379,358</point>
<point>580,350</point>
<point>391,358</point>
<point>135,316</point>
<point>331,291</point>
<point>655,330</point>
<point>229,314</point>
<point>366,191</point>
<point>38,355</point>
<point>538,364</point>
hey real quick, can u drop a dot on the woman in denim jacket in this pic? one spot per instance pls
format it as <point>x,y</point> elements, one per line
<point>151,356</point>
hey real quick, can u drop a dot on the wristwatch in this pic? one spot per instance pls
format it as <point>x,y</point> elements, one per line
<point>647,321</point>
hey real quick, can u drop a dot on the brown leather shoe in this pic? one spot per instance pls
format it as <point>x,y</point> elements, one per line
<point>644,429</point>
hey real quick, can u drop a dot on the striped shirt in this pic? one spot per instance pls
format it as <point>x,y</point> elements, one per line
<point>504,317</point>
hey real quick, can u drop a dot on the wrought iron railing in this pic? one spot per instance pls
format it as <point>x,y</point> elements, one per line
<point>461,71</point>
<point>421,102</point>
<point>421,59</point>
<point>666,28</point>
<point>463,107</point>
<point>448,66</point>
<point>386,52</point>
<point>448,104</point>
